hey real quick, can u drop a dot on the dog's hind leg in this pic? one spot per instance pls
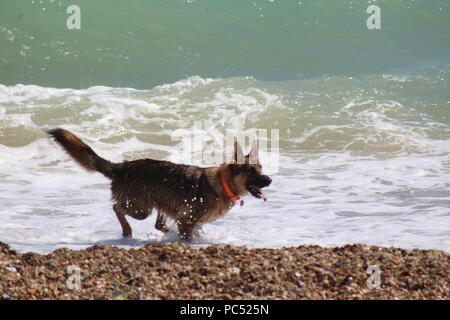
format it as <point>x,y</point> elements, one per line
<point>126,229</point>
<point>161,222</point>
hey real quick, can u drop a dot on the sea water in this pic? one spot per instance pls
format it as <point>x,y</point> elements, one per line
<point>363,116</point>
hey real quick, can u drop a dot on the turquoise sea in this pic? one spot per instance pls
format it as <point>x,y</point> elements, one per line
<point>363,114</point>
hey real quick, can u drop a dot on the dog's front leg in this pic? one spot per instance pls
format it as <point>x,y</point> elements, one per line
<point>186,226</point>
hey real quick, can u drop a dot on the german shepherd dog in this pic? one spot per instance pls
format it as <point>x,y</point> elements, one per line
<point>190,195</point>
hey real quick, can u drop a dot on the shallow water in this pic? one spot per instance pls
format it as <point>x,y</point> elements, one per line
<point>356,164</point>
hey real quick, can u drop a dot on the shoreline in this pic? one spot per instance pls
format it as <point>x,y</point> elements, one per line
<point>178,271</point>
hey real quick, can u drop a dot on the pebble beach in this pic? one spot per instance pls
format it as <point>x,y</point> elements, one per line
<point>178,271</point>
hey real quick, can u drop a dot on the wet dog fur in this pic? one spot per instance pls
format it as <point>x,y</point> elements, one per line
<point>190,195</point>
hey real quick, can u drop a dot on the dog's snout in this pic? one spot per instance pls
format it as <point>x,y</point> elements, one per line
<point>266,180</point>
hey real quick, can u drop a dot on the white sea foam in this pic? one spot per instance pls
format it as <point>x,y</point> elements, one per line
<point>358,168</point>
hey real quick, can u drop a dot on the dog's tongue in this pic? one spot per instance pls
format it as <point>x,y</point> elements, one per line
<point>263,196</point>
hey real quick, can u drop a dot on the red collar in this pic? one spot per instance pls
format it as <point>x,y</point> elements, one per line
<point>227,188</point>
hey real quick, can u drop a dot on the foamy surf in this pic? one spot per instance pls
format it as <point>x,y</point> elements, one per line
<point>361,160</point>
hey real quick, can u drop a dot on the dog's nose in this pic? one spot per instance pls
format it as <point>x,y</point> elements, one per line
<point>267,180</point>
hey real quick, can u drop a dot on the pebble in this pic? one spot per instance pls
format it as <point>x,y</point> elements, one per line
<point>178,271</point>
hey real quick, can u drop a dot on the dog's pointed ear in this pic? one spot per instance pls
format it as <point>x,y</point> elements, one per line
<point>253,155</point>
<point>238,154</point>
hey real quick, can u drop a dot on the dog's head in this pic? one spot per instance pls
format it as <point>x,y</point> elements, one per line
<point>247,171</point>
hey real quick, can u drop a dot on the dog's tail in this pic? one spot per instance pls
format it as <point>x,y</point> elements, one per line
<point>81,152</point>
